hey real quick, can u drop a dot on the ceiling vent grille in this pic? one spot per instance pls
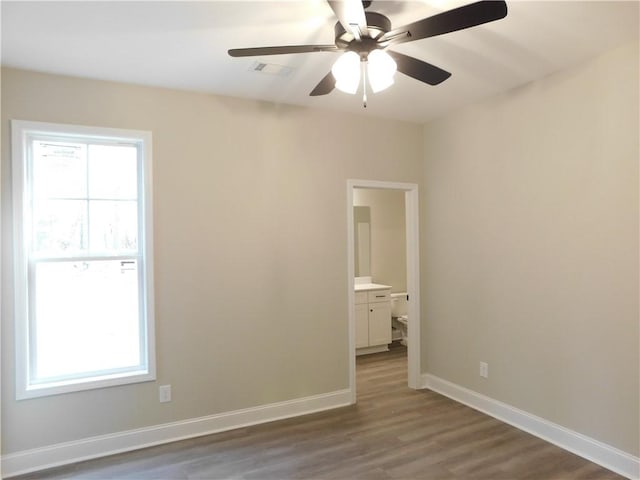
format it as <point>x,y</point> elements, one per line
<point>271,69</point>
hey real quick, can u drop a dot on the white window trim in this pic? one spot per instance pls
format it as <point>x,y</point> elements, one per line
<point>20,129</point>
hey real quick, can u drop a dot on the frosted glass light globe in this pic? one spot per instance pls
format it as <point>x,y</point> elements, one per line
<point>381,68</point>
<point>346,71</point>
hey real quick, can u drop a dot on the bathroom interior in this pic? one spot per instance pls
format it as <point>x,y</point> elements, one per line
<point>380,269</point>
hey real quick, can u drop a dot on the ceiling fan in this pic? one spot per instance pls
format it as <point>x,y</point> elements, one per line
<point>365,36</point>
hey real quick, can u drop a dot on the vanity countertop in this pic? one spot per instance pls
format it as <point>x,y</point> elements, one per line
<point>362,287</point>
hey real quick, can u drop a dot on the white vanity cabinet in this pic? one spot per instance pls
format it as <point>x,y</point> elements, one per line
<point>373,318</point>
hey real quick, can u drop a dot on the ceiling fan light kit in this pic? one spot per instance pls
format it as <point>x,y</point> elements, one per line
<point>380,71</point>
<point>365,36</point>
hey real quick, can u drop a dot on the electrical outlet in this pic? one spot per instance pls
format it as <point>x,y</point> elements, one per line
<point>484,369</point>
<point>165,393</point>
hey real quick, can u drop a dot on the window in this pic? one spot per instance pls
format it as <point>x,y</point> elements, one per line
<point>83,257</point>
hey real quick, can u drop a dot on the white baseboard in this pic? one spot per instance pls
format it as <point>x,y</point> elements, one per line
<point>93,447</point>
<point>605,455</point>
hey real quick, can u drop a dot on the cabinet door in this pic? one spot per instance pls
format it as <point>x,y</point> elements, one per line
<point>362,325</point>
<point>379,323</point>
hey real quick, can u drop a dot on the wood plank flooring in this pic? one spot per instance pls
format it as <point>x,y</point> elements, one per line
<point>392,433</point>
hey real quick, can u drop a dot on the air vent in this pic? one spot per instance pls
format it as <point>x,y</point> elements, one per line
<point>271,69</point>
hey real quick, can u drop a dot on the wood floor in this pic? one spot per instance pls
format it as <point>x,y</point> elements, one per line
<point>392,432</point>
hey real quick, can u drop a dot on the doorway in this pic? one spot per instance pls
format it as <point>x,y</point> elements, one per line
<point>412,276</point>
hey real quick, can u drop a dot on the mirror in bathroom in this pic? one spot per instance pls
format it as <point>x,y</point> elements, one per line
<point>362,240</point>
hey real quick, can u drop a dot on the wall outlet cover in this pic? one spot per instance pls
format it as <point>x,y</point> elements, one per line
<point>165,393</point>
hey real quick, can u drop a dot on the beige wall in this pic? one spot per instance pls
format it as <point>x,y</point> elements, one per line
<point>388,235</point>
<point>530,248</point>
<point>250,249</point>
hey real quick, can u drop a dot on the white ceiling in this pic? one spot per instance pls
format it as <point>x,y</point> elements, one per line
<point>184,45</point>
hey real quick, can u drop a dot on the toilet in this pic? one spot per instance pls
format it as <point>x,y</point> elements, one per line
<point>399,316</point>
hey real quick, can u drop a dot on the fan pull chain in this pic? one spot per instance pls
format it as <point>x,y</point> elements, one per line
<point>363,64</point>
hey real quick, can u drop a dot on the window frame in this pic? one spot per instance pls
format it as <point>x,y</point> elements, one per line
<point>22,132</point>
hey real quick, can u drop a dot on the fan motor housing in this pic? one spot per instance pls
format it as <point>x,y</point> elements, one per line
<point>377,25</point>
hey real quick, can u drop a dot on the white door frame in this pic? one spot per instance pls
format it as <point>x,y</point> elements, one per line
<point>413,277</point>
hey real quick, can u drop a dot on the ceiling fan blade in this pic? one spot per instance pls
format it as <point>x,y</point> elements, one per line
<point>445,22</point>
<point>326,85</point>
<point>423,71</point>
<point>251,52</point>
<point>351,15</point>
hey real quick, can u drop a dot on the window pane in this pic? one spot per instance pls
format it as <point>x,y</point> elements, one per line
<point>59,169</point>
<point>83,319</point>
<point>113,172</point>
<point>87,317</point>
<point>60,227</point>
<point>114,226</point>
